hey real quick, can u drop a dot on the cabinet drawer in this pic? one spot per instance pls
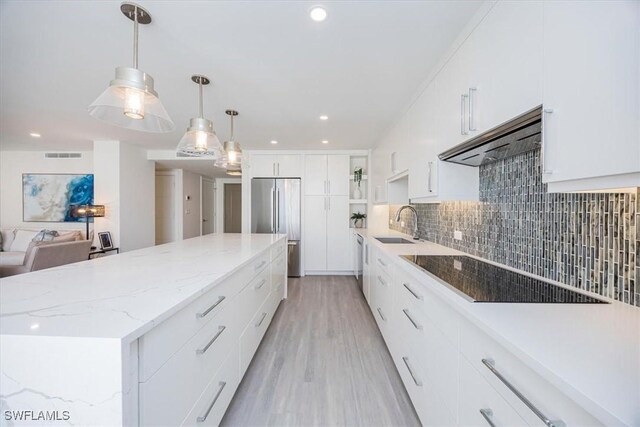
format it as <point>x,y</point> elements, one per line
<point>476,345</point>
<point>383,263</point>
<point>252,335</point>
<point>383,305</point>
<point>170,393</point>
<point>214,401</point>
<point>278,249</point>
<point>161,342</point>
<point>279,274</point>
<point>254,296</point>
<point>477,395</point>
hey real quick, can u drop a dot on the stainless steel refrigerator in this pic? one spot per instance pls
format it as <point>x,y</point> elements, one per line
<point>275,208</point>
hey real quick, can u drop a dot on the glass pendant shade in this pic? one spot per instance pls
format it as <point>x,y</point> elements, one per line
<point>200,140</point>
<point>233,153</point>
<point>131,102</point>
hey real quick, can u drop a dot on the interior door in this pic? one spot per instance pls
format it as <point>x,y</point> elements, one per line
<point>165,209</point>
<point>232,208</point>
<point>315,233</point>
<point>262,205</point>
<point>208,206</point>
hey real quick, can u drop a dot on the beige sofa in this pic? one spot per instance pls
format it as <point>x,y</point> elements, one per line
<point>15,242</point>
<point>47,254</point>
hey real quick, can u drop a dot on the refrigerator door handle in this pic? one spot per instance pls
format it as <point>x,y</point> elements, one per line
<point>277,210</point>
<point>273,222</point>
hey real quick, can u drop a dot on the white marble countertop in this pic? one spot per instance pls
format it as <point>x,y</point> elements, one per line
<point>591,352</point>
<point>122,296</point>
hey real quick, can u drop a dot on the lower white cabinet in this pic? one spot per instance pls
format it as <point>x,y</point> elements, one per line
<point>327,237</point>
<point>445,361</point>
<point>190,365</point>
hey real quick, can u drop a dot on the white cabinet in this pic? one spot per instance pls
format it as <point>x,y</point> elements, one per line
<point>592,86</point>
<point>327,234</point>
<point>327,174</point>
<point>315,233</point>
<point>276,165</point>
<point>366,270</point>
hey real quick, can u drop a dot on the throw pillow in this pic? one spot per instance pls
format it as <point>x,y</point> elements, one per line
<point>45,236</point>
<point>21,240</point>
<point>66,237</point>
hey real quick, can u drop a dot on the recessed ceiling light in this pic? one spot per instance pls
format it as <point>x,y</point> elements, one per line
<point>318,13</point>
<point>35,135</point>
<point>325,141</point>
<point>274,141</point>
<point>323,117</point>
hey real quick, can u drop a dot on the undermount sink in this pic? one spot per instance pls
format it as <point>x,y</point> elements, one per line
<point>396,240</point>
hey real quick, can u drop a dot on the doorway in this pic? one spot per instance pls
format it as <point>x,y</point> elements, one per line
<point>232,208</point>
<point>165,207</point>
<point>208,206</point>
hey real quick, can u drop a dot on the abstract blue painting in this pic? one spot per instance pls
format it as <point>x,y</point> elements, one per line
<point>48,197</point>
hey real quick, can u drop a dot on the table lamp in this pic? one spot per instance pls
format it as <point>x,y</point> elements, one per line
<point>87,211</point>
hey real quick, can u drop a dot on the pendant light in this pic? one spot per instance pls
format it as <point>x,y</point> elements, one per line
<point>200,140</point>
<point>130,101</point>
<point>231,147</point>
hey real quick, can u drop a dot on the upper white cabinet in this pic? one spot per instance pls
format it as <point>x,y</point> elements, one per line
<point>276,165</point>
<point>591,95</point>
<point>326,174</point>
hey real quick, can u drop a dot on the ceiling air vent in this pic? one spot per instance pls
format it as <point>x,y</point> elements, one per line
<point>62,155</point>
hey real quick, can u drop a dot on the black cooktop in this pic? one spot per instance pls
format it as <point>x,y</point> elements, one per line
<point>484,282</point>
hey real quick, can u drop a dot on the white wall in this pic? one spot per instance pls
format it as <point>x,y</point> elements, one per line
<point>125,184</point>
<point>191,220</point>
<point>14,163</point>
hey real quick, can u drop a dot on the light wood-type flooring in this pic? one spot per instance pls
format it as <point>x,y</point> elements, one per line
<point>322,362</point>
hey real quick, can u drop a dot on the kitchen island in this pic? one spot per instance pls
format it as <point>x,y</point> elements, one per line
<point>157,335</point>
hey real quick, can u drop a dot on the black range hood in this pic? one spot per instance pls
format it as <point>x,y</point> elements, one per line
<point>522,134</point>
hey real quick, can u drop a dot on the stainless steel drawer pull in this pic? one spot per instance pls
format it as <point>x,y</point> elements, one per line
<point>491,364</point>
<point>487,414</point>
<point>208,310</point>
<point>381,315</point>
<point>261,320</point>
<point>215,337</point>
<point>414,293</point>
<point>259,266</point>
<point>203,418</point>
<point>416,380</point>
<point>261,284</point>
<point>382,263</point>
<point>382,281</point>
<point>415,324</point>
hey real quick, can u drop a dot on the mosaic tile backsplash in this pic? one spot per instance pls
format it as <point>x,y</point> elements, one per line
<point>590,241</point>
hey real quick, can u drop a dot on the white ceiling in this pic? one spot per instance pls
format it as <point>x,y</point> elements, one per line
<point>266,59</point>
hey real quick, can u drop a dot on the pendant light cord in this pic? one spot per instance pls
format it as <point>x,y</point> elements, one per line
<point>200,90</point>
<point>135,37</point>
<point>232,127</point>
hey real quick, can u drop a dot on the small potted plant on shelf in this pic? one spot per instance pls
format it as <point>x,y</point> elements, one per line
<point>358,218</point>
<point>357,178</point>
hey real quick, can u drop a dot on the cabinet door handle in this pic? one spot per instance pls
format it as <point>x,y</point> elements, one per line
<point>545,169</point>
<point>414,293</point>
<point>261,284</point>
<point>381,315</point>
<point>203,418</point>
<point>416,380</point>
<point>261,320</point>
<point>382,281</point>
<point>324,183</point>
<point>487,414</point>
<point>215,337</point>
<point>273,168</point>
<point>472,120</point>
<point>429,182</point>
<point>491,365</point>
<point>208,310</point>
<point>463,124</point>
<point>382,262</point>
<point>412,320</point>
<point>329,203</point>
<point>259,266</point>
<point>278,168</point>
<point>329,187</point>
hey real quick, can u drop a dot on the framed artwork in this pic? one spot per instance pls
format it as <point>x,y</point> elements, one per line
<point>48,197</point>
<point>105,240</point>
